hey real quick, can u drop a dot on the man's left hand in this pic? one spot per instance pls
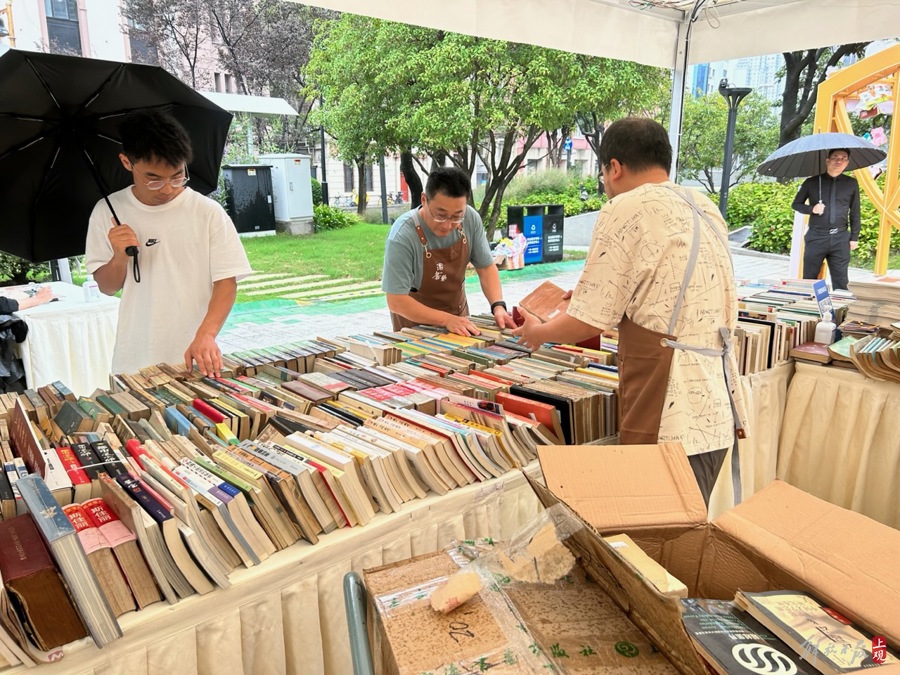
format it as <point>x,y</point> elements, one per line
<point>528,332</point>
<point>853,245</point>
<point>503,319</point>
<point>206,353</point>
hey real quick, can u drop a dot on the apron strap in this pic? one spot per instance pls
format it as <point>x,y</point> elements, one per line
<point>691,263</point>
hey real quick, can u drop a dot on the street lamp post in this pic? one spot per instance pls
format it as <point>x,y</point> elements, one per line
<point>734,96</point>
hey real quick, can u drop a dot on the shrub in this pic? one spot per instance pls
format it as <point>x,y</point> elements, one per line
<point>316,192</point>
<point>546,181</point>
<point>15,271</point>
<point>330,218</point>
<point>766,208</point>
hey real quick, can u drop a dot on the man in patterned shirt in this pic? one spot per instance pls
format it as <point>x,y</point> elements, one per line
<point>659,268</point>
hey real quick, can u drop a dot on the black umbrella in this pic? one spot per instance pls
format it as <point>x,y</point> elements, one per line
<point>59,142</point>
<point>806,156</point>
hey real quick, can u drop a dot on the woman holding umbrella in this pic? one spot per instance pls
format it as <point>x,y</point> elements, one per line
<point>831,200</point>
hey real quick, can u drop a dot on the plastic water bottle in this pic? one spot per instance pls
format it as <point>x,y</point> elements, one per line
<point>91,289</point>
<point>825,330</point>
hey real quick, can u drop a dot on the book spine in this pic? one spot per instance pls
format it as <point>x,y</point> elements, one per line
<point>72,466</point>
<point>111,462</point>
<point>142,497</point>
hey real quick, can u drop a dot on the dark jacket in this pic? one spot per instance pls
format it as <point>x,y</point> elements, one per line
<point>846,203</point>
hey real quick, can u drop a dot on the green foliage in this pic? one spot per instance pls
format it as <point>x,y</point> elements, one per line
<point>316,192</point>
<point>390,86</point>
<point>331,218</point>
<point>703,138</point>
<point>766,208</point>
<point>15,271</point>
<point>549,180</point>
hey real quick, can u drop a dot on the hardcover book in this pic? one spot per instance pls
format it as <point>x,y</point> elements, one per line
<point>35,588</point>
<point>62,540</point>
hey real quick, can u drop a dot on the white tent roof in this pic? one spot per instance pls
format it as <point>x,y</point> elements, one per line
<point>258,105</point>
<point>648,31</point>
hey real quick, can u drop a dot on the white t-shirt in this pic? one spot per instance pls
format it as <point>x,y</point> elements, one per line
<point>186,245</point>
<point>635,267</point>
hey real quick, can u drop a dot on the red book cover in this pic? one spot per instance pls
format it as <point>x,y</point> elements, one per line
<point>205,409</point>
<point>70,463</point>
<point>542,412</point>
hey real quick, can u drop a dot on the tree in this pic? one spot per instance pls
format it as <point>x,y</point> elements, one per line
<point>173,30</point>
<point>804,71</point>
<point>264,45</point>
<point>608,90</point>
<point>443,94</point>
<point>703,138</point>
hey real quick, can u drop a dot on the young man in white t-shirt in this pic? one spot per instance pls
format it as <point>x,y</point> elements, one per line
<point>190,254</point>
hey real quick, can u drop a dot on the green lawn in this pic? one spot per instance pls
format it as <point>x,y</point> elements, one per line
<point>353,252</point>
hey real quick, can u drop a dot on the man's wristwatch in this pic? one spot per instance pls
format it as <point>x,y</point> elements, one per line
<point>499,303</point>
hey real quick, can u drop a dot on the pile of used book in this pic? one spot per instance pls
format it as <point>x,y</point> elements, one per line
<point>162,486</point>
<point>777,320</point>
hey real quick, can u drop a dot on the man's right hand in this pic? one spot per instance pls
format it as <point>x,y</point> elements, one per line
<point>121,237</point>
<point>461,325</point>
<point>818,209</point>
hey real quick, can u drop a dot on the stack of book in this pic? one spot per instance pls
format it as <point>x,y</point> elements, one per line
<point>877,301</point>
<point>777,320</point>
<point>166,483</point>
<point>780,631</point>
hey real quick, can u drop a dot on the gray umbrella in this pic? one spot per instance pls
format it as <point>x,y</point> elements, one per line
<point>806,156</point>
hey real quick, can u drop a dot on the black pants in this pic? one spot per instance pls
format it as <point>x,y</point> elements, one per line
<point>835,248</point>
<point>706,467</point>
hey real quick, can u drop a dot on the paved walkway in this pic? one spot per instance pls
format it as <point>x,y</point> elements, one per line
<point>262,324</point>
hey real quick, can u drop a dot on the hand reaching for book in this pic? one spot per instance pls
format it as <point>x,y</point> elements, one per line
<point>528,330</point>
<point>503,318</point>
<point>206,353</point>
<point>461,325</point>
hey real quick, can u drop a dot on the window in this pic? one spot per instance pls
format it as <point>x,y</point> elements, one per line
<point>62,26</point>
<point>370,178</point>
<point>348,177</point>
<point>229,84</point>
<point>218,79</point>
<point>141,49</point>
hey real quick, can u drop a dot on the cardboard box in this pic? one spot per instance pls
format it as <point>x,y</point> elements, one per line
<point>780,538</point>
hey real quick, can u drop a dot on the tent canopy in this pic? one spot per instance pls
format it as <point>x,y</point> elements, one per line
<point>258,105</point>
<point>652,32</point>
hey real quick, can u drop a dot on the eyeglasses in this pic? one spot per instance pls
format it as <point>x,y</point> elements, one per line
<point>840,159</point>
<point>444,219</point>
<point>174,182</point>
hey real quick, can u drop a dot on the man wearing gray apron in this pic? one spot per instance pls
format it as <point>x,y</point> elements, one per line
<point>426,255</point>
<point>659,267</point>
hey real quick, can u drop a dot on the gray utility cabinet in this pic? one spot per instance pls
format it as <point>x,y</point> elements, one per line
<point>291,185</point>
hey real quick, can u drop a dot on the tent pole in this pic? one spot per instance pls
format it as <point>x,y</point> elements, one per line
<point>679,73</point>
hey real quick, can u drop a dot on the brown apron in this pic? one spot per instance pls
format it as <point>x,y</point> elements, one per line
<point>443,278</point>
<point>645,361</point>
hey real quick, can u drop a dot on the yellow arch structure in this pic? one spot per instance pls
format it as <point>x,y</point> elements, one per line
<point>831,115</point>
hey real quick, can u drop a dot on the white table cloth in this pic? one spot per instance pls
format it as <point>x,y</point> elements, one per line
<point>287,614</point>
<point>70,340</point>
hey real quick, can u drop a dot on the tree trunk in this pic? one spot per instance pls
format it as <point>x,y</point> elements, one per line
<point>408,169</point>
<point>804,72</point>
